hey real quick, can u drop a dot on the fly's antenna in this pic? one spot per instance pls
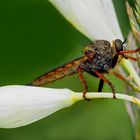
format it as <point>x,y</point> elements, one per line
<point>124,41</point>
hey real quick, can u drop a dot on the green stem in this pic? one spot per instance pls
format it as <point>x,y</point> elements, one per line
<point>132,71</point>
<point>93,95</point>
<point>137,129</point>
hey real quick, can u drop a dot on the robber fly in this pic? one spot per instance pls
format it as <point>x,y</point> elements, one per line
<point>100,57</point>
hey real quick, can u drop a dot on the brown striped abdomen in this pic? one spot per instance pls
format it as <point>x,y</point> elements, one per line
<point>58,73</point>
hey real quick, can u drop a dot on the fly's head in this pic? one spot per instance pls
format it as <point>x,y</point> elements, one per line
<point>119,45</point>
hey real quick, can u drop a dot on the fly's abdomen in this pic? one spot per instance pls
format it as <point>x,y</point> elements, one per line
<point>56,74</point>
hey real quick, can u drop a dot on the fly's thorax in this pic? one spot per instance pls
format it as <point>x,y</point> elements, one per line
<point>103,54</point>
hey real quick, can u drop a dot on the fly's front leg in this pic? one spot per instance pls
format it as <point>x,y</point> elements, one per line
<point>124,52</point>
<point>129,51</point>
<point>79,70</point>
<point>101,76</point>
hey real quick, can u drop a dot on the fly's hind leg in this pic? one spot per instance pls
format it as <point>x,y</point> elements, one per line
<point>79,70</point>
<point>101,76</point>
<point>119,76</point>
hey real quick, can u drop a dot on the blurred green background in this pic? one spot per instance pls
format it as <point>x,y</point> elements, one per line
<point>35,38</point>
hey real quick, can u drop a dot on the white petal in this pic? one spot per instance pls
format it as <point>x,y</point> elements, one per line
<point>94,18</point>
<point>22,105</point>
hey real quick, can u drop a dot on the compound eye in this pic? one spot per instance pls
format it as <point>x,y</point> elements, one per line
<point>118,45</point>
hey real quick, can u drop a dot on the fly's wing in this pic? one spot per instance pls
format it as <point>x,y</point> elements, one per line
<point>58,73</point>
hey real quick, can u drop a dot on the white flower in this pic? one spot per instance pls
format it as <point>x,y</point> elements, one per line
<point>22,105</point>
<point>94,18</point>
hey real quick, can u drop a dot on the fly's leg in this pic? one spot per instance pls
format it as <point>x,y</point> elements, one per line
<point>79,70</point>
<point>124,52</point>
<point>101,76</point>
<point>119,76</point>
<point>100,87</point>
<point>129,51</point>
<point>126,80</point>
<point>129,57</point>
